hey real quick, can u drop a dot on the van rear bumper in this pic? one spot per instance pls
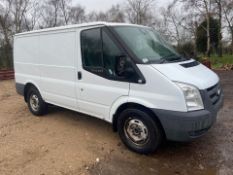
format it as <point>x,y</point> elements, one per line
<point>186,126</point>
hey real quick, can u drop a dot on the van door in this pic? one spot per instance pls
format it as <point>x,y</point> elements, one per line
<point>98,84</point>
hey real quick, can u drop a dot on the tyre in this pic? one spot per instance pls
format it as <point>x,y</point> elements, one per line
<point>138,131</point>
<point>36,104</point>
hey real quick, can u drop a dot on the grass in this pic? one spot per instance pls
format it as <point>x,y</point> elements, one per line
<point>218,62</point>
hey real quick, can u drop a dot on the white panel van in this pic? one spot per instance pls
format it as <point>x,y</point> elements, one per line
<point>125,74</point>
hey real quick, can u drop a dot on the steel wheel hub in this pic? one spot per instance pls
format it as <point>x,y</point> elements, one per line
<point>136,131</point>
<point>34,102</point>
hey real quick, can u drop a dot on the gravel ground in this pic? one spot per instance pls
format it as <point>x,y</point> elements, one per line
<point>68,143</point>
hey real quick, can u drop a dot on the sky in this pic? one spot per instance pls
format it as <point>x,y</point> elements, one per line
<point>103,5</point>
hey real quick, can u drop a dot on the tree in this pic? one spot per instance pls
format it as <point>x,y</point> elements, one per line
<point>204,8</point>
<point>5,28</point>
<point>190,24</point>
<point>172,26</point>
<point>219,12</point>
<point>115,14</point>
<point>12,15</point>
<point>50,14</point>
<point>77,14</point>
<point>228,15</point>
<point>65,10</point>
<point>32,16</point>
<point>139,11</point>
<point>97,16</point>
<point>202,35</point>
<point>183,22</point>
<point>18,10</point>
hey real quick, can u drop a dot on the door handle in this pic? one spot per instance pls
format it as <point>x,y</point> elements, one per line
<point>79,75</point>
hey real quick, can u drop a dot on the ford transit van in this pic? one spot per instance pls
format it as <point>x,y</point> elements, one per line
<point>125,74</point>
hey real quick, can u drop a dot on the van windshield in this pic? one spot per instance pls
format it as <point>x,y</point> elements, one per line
<point>147,44</point>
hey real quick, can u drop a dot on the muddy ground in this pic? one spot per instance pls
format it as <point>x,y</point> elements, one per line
<point>68,143</point>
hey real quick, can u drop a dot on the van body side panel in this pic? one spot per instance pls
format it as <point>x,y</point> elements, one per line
<point>26,56</point>
<point>159,91</point>
<point>57,66</point>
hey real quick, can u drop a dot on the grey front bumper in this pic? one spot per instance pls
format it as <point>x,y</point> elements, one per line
<point>185,126</point>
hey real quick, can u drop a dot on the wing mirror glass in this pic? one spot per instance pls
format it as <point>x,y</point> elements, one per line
<point>123,67</point>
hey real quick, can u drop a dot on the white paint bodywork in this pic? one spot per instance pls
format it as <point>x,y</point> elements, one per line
<point>51,58</point>
<point>199,76</point>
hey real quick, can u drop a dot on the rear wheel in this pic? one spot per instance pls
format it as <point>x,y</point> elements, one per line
<point>138,131</point>
<point>36,104</point>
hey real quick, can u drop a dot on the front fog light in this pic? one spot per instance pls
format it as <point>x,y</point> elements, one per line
<point>192,96</point>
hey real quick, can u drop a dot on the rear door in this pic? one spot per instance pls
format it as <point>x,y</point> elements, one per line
<point>98,84</point>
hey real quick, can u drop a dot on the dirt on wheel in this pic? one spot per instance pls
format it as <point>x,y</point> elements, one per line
<point>64,142</point>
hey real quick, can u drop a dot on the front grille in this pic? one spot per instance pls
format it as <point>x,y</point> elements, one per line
<point>214,93</point>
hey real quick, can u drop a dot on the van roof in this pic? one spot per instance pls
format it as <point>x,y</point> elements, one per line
<point>90,24</point>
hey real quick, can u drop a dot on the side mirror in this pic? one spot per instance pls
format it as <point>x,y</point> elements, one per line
<point>129,72</point>
<point>123,68</point>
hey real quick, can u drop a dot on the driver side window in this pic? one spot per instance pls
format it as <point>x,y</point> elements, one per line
<point>99,53</point>
<point>110,55</point>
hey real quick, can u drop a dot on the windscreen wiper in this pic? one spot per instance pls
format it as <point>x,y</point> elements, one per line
<point>174,59</point>
<point>167,59</point>
<point>163,60</point>
<point>171,58</point>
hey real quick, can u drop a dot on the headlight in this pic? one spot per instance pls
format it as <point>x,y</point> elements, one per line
<point>192,96</point>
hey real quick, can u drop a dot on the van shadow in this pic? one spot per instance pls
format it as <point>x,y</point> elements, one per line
<point>74,117</point>
<point>192,155</point>
<point>167,147</point>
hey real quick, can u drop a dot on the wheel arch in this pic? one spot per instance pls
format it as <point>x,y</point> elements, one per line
<point>126,105</point>
<point>28,85</point>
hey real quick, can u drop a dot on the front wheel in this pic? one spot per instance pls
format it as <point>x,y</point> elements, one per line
<point>138,131</point>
